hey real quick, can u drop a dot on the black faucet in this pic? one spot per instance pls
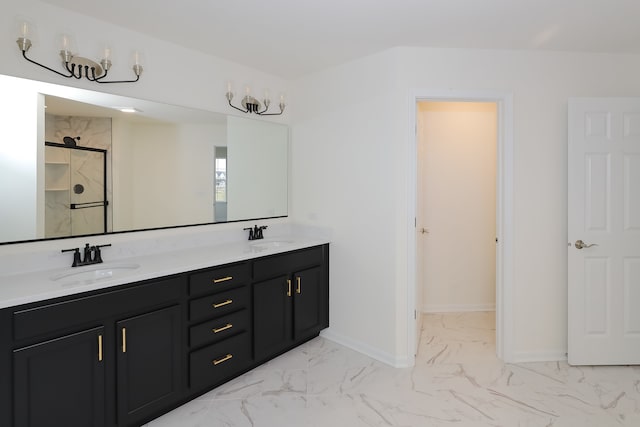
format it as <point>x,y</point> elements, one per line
<point>251,235</point>
<point>91,255</point>
<point>76,256</point>
<point>255,233</point>
<point>88,257</point>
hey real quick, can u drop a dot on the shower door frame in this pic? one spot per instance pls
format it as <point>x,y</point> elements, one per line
<point>104,178</point>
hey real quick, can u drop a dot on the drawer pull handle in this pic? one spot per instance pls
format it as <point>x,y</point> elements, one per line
<point>224,328</point>
<point>124,340</point>
<point>223,303</point>
<point>298,285</point>
<point>99,348</point>
<point>224,359</point>
<point>223,279</point>
<point>288,287</point>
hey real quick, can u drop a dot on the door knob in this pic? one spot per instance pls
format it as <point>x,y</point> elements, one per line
<point>424,230</point>
<point>582,245</point>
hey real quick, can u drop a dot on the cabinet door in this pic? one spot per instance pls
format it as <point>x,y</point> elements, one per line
<point>61,382</point>
<point>272,316</point>
<point>308,303</point>
<point>148,363</point>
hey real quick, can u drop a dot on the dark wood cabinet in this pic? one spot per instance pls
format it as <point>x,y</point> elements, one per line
<point>272,316</point>
<point>61,382</point>
<point>122,356</point>
<point>309,303</point>
<point>293,306</point>
<point>73,363</point>
<point>148,363</point>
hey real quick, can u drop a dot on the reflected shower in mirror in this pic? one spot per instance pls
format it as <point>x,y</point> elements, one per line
<point>164,166</point>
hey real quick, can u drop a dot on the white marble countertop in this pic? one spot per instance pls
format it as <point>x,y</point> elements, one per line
<point>23,288</point>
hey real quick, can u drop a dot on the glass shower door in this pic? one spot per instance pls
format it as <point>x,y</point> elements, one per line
<point>87,192</point>
<point>75,192</point>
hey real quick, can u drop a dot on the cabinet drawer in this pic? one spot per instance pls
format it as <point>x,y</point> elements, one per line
<point>218,362</point>
<point>219,279</point>
<point>219,329</point>
<point>265,268</point>
<point>68,314</point>
<point>218,304</point>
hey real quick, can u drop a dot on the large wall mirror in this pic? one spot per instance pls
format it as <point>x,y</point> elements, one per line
<point>73,163</point>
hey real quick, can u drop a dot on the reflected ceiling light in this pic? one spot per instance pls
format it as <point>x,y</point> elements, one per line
<point>77,66</point>
<point>252,105</point>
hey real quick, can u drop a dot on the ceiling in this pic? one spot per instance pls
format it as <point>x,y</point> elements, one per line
<point>291,38</point>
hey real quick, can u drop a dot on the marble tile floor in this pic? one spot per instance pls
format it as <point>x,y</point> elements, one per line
<point>457,381</point>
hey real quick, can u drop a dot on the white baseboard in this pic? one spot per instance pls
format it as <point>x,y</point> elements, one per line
<point>454,308</point>
<point>544,356</point>
<point>365,349</point>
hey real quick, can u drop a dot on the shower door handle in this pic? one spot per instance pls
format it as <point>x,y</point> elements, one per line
<point>88,205</point>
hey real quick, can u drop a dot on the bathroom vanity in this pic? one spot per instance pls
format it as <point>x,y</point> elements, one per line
<point>122,349</point>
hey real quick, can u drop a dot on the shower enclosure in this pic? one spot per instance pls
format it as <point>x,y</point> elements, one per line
<point>75,190</point>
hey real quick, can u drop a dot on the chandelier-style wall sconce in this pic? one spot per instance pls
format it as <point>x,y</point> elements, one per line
<point>252,105</point>
<point>78,66</point>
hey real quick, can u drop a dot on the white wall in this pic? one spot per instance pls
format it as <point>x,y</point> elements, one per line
<point>457,144</point>
<point>345,177</point>
<point>171,176</point>
<point>257,168</point>
<point>21,150</point>
<point>350,155</point>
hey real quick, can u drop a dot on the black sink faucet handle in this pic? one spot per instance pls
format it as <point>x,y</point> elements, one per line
<point>259,232</point>
<point>76,256</point>
<point>97,258</point>
<point>251,235</point>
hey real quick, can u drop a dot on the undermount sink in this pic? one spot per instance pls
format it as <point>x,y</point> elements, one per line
<point>270,244</point>
<point>93,273</point>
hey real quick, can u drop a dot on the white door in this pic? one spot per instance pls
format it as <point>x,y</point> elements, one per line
<point>604,211</point>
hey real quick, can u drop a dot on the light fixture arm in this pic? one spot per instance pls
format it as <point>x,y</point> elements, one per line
<point>229,98</point>
<point>24,55</point>
<point>79,67</point>
<point>252,105</point>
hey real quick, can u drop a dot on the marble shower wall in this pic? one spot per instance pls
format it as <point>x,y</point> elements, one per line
<point>84,168</point>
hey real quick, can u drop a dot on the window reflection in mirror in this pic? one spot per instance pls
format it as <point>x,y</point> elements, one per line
<point>220,198</point>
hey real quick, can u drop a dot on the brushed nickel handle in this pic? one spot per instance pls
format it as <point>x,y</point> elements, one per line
<point>222,304</point>
<point>288,287</point>
<point>224,328</point>
<point>582,245</point>
<point>99,348</point>
<point>222,279</point>
<point>298,284</point>
<point>124,340</point>
<point>224,359</point>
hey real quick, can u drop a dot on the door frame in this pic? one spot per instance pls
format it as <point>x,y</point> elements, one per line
<point>505,328</point>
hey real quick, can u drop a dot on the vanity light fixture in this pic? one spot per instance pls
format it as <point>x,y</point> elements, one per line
<point>252,105</point>
<point>77,66</point>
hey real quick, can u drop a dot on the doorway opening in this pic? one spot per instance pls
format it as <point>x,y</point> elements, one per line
<point>456,223</point>
<point>504,324</point>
